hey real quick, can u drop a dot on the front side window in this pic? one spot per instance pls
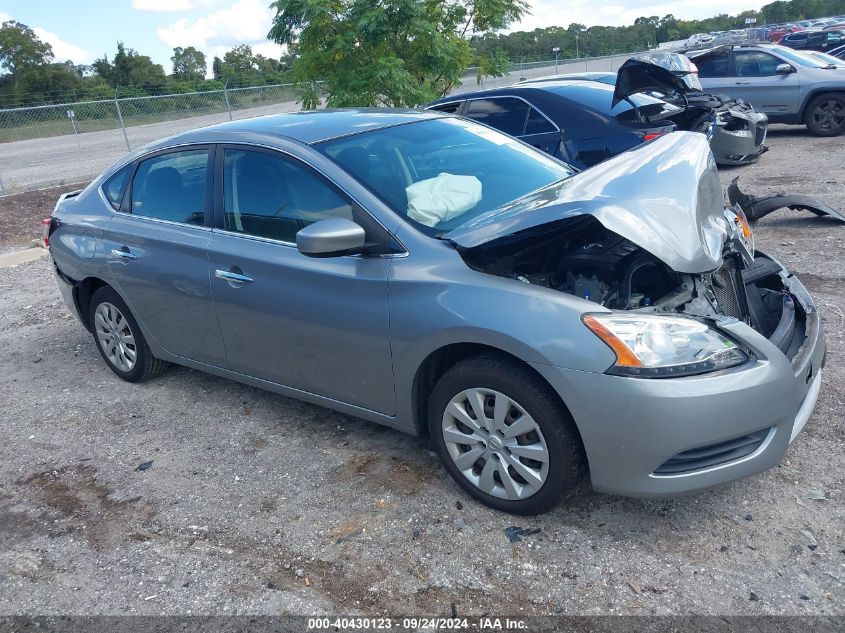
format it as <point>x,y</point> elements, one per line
<point>506,114</point>
<point>172,187</point>
<point>268,195</point>
<point>443,172</point>
<point>755,64</point>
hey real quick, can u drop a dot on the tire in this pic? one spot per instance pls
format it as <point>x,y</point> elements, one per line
<point>111,320</point>
<point>487,460</point>
<point>825,114</point>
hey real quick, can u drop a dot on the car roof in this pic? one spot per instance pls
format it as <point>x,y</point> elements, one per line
<point>312,126</point>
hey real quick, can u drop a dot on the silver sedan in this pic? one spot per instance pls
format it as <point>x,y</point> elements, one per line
<point>434,275</point>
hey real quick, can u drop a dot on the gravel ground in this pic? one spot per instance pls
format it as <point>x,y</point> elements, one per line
<point>254,503</point>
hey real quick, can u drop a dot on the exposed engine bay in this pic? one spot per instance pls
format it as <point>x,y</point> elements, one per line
<point>583,258</point>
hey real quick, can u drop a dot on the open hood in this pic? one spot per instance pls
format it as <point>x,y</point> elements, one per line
<point>650,75</point>
<point>664,196</point>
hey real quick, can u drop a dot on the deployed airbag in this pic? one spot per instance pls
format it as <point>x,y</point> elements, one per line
<point>442,198</point>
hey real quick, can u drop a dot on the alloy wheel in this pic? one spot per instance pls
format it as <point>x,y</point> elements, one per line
<point>829,115</point>
<point>115,337</point>
<point>495,444</point>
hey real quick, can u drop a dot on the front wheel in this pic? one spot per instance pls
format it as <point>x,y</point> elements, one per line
<point>826,115</point>
<point>504,436</point>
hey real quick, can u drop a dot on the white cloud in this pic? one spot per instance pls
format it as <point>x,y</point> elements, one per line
<point>171,5</point>
<point>4,17</point>
<point>62,50</point>
<point>244,22</point>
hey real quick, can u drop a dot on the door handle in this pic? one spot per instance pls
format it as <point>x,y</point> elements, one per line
<point>123,253</point>
<point>228,275</point>
<point>743,83</point>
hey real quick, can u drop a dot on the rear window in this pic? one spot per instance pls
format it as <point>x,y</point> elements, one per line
<point>598,96</point>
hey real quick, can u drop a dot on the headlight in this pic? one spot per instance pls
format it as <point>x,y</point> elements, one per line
<point>655,346</point>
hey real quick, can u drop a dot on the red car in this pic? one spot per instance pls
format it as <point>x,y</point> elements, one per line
<point>775,34</point>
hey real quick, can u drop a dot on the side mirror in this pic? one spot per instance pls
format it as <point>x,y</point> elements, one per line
<point>331,238</point>
<point>784,69</point>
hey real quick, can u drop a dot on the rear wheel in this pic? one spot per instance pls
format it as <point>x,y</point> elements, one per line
<point>825,114</point>
<point>504,437</point>
<point>119,339</point>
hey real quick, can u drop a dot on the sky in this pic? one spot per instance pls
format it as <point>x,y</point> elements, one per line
<point>87,29</point>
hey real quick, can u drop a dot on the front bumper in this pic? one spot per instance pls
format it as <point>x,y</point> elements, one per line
<point>742,146</point>
<point>631,427</point>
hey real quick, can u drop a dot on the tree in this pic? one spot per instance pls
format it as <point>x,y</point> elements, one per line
<point>21,49</point>
<point>188,64</point>
<point>387,52</point>
<point>130,68</point>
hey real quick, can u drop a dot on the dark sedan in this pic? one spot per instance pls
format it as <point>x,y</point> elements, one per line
<point>814,40</point>
<point>574,121</point>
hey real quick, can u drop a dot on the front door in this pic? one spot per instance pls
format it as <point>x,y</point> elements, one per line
<point>315,324</point>
<point>757,81</point>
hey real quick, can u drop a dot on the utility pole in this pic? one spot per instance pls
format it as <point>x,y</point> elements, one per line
<point>577,53</point>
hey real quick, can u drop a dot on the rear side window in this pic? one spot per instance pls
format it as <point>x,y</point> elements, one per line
<point>172,187</point>
<point>537,123</point>
<point>712,66</point>
<point>506,114</point>
<point>271,196</point>
<point>115,187</point>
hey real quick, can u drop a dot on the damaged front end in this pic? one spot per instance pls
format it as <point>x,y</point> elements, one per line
<point>648,231</point>
<point>737,133</point>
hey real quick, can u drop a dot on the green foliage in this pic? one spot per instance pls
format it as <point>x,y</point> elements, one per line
<point>130,68</point>
<point>188,64</point>
<point>364,52</point>
<point>386,52</point>
<point>20,48</point>
<point>646,31</point>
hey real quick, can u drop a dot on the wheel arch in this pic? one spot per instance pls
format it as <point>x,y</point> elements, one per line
<point>817,92</point>
<point>440,360</point>
<point>82,293</point>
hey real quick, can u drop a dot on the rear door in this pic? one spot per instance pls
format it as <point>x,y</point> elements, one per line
<point>315,324</point>
<point>757,81</point>
<point>157,251</point>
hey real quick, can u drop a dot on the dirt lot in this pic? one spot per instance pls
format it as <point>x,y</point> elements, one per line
<point>255,503</point>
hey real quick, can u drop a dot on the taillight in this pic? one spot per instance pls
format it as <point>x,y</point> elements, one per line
<point>46,225</point>
<point>651,136</point>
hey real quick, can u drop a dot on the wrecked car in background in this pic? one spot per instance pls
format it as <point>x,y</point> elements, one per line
<point>738,132</point>
<point>735,130</point>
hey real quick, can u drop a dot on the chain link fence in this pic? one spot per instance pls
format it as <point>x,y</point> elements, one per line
<point>73,142</point>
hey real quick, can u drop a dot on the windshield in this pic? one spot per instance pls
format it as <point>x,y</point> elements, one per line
<point>443,172</point>
<point>829,59</point>
<point>798,57</point>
